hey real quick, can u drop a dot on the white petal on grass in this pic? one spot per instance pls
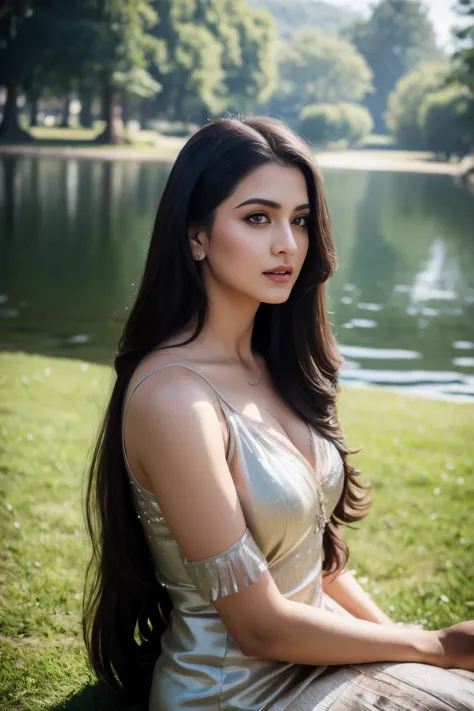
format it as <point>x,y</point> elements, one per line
<point>437,491</point>
<point>47,371</point>
<point>444,598</point>
<point>17,524</point>
<point>460,480</point>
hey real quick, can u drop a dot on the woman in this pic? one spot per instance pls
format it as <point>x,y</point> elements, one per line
<point>220,560</point>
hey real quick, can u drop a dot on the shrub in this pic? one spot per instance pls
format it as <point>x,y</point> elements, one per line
<point>446,120</point>
<point>405,100</point>
<point>328,123</point>
<point>357,122</point>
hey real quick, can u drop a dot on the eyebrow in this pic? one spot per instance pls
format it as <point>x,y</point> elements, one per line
<point>269,203</point>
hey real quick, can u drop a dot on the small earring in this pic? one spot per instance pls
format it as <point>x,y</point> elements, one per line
<point>199,256</point>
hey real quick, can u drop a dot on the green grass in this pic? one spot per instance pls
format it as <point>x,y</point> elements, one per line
<point>78,137</point>
<point>413,552</point>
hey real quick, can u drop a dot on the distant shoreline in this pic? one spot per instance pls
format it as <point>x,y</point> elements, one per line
<point>358,159</point>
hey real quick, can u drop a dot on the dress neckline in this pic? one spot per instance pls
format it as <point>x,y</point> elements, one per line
<point>284,441</point>
<point>257,426</point>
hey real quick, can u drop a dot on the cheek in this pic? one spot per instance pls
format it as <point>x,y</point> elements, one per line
<point>235,241</point>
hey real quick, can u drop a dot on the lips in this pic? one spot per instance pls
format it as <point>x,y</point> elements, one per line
<point>280,270</point>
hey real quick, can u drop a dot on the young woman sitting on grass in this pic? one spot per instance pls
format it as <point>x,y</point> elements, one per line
<point>220,482</point>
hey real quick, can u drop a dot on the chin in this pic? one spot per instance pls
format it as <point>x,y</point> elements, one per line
<point>276,298</point>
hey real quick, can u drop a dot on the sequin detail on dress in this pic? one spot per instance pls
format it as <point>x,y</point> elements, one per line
<point>229,571</point>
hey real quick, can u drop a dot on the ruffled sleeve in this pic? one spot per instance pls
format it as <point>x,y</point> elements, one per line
<point>229,571</point>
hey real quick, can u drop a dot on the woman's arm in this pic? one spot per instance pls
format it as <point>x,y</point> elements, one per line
<point>345,590</point>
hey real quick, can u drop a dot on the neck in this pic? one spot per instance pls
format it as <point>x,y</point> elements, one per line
<point>227,333</point>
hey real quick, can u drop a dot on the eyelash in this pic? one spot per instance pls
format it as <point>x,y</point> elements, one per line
<point>257,214</point>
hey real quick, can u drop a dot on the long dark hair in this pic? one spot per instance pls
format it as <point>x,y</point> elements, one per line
<point>122,623</point>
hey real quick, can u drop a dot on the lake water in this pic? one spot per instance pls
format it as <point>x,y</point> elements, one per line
<point>74,235</point>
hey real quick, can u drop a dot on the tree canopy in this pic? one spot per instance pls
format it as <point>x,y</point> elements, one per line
<point>404,101</point>
<point>464,56</point>
<point>317,68</point>
<point>199,57</point>
<point>393,40</point>
<point>297,14</point>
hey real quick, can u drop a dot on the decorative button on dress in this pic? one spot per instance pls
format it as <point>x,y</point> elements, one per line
<point>285,504</point>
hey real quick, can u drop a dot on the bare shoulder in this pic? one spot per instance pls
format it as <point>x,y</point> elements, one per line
<point>167,388</point>
<point>159,358</point>
<point>173,404</point>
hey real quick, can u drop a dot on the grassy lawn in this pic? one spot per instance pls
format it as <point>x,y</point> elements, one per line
<point>83,138</point>
<point>413,552</point>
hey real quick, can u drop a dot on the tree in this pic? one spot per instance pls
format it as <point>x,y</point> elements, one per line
<point>189,63</point>
<point>93,43</point>
<point>402,116</point>
<point>445,120</point>
<point>327,123</point>
<point>219,54</point>
<point>24,40</point>
<point>251,76</point>
<point>297,14</point>
<point>464,57</point>
<point>395,38</point>
<point>317,68</point>
<point>120,45</point>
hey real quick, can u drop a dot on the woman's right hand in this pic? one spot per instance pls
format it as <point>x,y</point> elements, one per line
<point>454,647</point>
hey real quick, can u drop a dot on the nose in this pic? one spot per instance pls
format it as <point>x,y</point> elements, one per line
<point>284,240</point>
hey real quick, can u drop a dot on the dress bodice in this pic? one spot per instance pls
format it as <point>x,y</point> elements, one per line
<point>201,665</point>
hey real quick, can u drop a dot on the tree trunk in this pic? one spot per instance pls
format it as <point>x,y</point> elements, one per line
<point>113,131</point>
<point>85,117</point>
<point>65,119</point>
<point>143,112</point>
<point>10,129</point>
<point>126,110</point>
<point>34,109</point>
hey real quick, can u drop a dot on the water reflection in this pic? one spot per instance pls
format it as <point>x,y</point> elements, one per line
<point>74,235</point>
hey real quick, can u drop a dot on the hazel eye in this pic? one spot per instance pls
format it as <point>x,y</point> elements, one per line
<point>255,218</point>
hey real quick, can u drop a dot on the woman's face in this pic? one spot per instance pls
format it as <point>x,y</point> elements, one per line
<point>262,225</point>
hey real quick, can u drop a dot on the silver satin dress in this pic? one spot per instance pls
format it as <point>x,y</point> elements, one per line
<point>201,665</point>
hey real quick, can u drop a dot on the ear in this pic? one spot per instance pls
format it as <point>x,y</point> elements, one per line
<point>197,239</point>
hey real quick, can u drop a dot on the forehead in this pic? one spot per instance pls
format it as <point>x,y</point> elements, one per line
<point>272,181</point>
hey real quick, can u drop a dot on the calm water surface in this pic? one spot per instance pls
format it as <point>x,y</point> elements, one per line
<point>74,235</point>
